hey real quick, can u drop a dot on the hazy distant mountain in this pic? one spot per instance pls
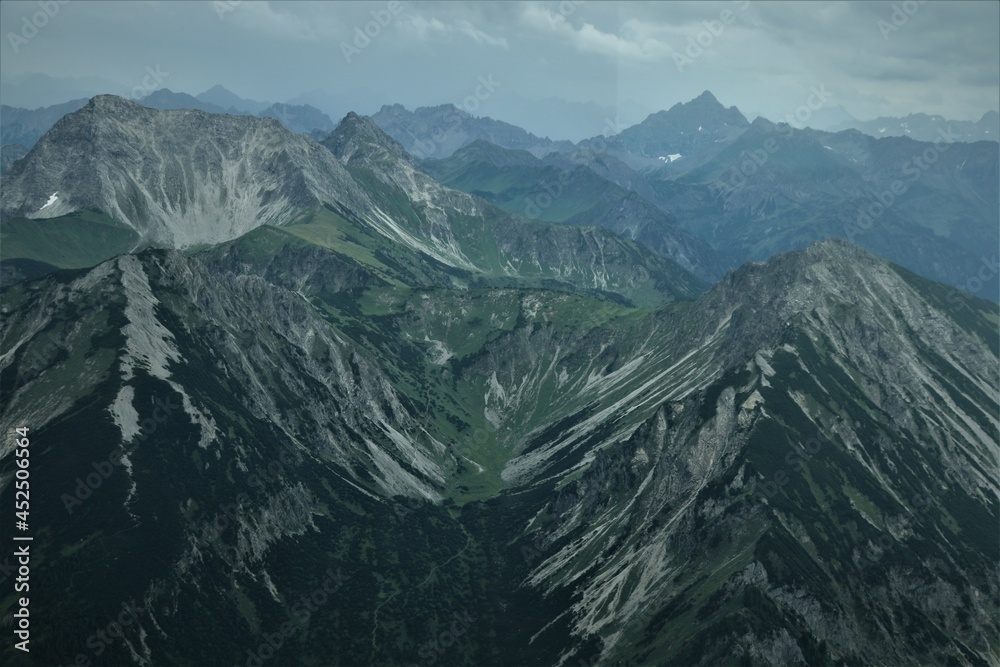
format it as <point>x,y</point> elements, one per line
<point>686,126</point>
<point>777,188</point>
<point>341,102</point>
<point>224,99</point>
<point>565,189</point>
<point>467,232</point>
<point>554,117</point>
<point>685,134</point>
<point>115,176</point>
<point>41,90</point>
<point>753,191</point>
<point>923,127</point>
<point>26,126</point>
<point>440,131</point>
<point>299,117</point>
<point>11,152</point>
<point>167,100</point>
<point>990,121</point>
<point>825,118</point>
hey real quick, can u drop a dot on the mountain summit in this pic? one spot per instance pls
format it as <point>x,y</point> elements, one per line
<point>359,140</point>
<point>684,128</point>
<point>439,131</point>
<point>179,177</point>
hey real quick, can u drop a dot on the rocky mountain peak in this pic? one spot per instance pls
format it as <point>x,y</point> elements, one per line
<point>684,128</point>
<point>299,117</point>
<point>358,140</point>
<point>177,177</point>
<point>440,109</point>
<point>112,103</point>
<point>706,99</point>
<point>702,111</point>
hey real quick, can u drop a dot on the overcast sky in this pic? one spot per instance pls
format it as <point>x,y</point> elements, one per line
<point>619,58</point>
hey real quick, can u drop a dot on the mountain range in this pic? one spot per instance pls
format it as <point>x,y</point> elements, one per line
<point>697,184</point>
<point>924,127</point>
<point>20,128</point>
<point>439,131</point>
<point>336,403</point>
<point>749,191</point>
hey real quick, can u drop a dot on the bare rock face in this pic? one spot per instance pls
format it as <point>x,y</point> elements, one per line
<point>851,377</point>
<point>179,178</point>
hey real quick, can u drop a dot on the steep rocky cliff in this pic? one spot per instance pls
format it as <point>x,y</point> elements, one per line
<point>578,480</point>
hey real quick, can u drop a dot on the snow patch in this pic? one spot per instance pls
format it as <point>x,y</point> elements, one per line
<point>51,201</point>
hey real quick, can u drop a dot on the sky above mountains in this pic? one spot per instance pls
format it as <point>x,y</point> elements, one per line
<point>558,68</point>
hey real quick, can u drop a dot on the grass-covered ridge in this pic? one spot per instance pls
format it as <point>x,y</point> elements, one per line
<point>78,240</point>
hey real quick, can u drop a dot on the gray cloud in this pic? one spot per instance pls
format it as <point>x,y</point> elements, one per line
<point>620,56</point>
